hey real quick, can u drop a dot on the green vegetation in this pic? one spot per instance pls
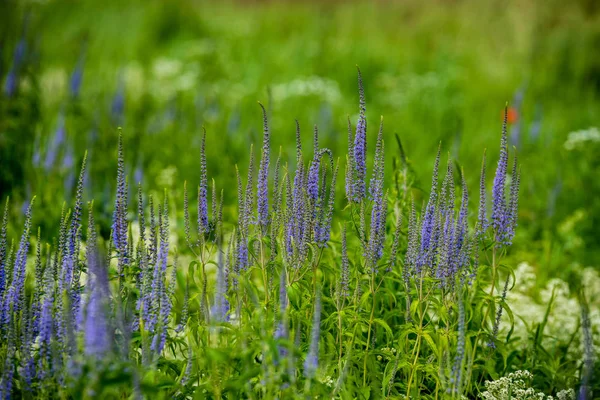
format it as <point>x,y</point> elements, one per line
<point>438,72</point>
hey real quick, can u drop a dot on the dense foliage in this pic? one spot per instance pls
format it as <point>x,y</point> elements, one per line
<point>335,268</point>
<point>392,299</point>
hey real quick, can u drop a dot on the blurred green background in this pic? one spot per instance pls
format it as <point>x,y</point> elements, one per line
<point>72,72</point>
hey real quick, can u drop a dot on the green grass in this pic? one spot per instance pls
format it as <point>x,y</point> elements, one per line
<point>436,71</point>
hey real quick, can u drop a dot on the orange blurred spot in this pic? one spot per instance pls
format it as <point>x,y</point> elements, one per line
<point>512,115</point>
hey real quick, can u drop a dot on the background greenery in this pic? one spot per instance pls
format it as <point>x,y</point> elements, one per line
<point>436,70</point>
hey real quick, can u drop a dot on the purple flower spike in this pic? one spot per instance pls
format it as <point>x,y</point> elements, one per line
<point>119,225</point>
<point>350,165</point>
<point>499,208</point>
<point>427,230</point>
<point>360,147</point>
<point>263,176</point>
<point>203,190</point>
<point>16,291</point>
<point>482,221</point>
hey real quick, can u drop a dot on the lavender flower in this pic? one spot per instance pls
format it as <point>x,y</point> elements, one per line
<point>242,243</point>
<point>3,245</point>
<point>249,202</point>
<point>427,230</point>
<point>119,225</point>
<point>74,239</point>
<point>360,147</point>
<point>513,204</point>
<point>312,184</point>
<point>378,213</point>
<point>350,165</point>
<point>323,224</point>
<point>482,221</point>
<point>203,190</point>
<point>499,212</point>
<point>6,381</point>
<point>16,291</point>
<point>262,188</point>
<point>39,286</point>
<point>311,363</point>
<point>411,261</point>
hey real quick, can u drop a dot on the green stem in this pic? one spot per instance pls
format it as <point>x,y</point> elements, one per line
<point>372,288</point>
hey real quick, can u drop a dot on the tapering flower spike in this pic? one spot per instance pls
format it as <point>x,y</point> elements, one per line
<point>74,239</point>
<point>360,147</point>
<point>499,212</point>
<point>203,190</point>
<point>298,144</point>
<point>482,221</point>
<point>249,192</point>
<point>427,230</point>
<point>119,225</point>
<point>141,217</point>
<point>242,241</point>
<point>378,213</point>
<point>262,188</point>
<point>3,248</point>
<point>312,184</point>
<point>513,203</point>
<point>350,165</point>
<point>186,215</point>
<point>323,225</point>
<point>411,261</point>
<point>16,291</point>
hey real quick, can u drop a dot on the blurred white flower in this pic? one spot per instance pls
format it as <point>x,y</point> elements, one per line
<point>313,85</point>
<point>565,313</point>
<point>164,68</point>
<point>578,139</point>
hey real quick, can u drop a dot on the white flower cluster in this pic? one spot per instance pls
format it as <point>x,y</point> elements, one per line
<point>530,305</point>
<point>515,386</point>
<point>580,138</point>
<point>313,85</point>
<point>327,380</point>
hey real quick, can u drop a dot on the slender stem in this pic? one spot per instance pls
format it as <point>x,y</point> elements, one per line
<point>372,289</point>
<point>495,260</point>
<point>340,336</point>
<point>263,268</point>
<point>417,349</point>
